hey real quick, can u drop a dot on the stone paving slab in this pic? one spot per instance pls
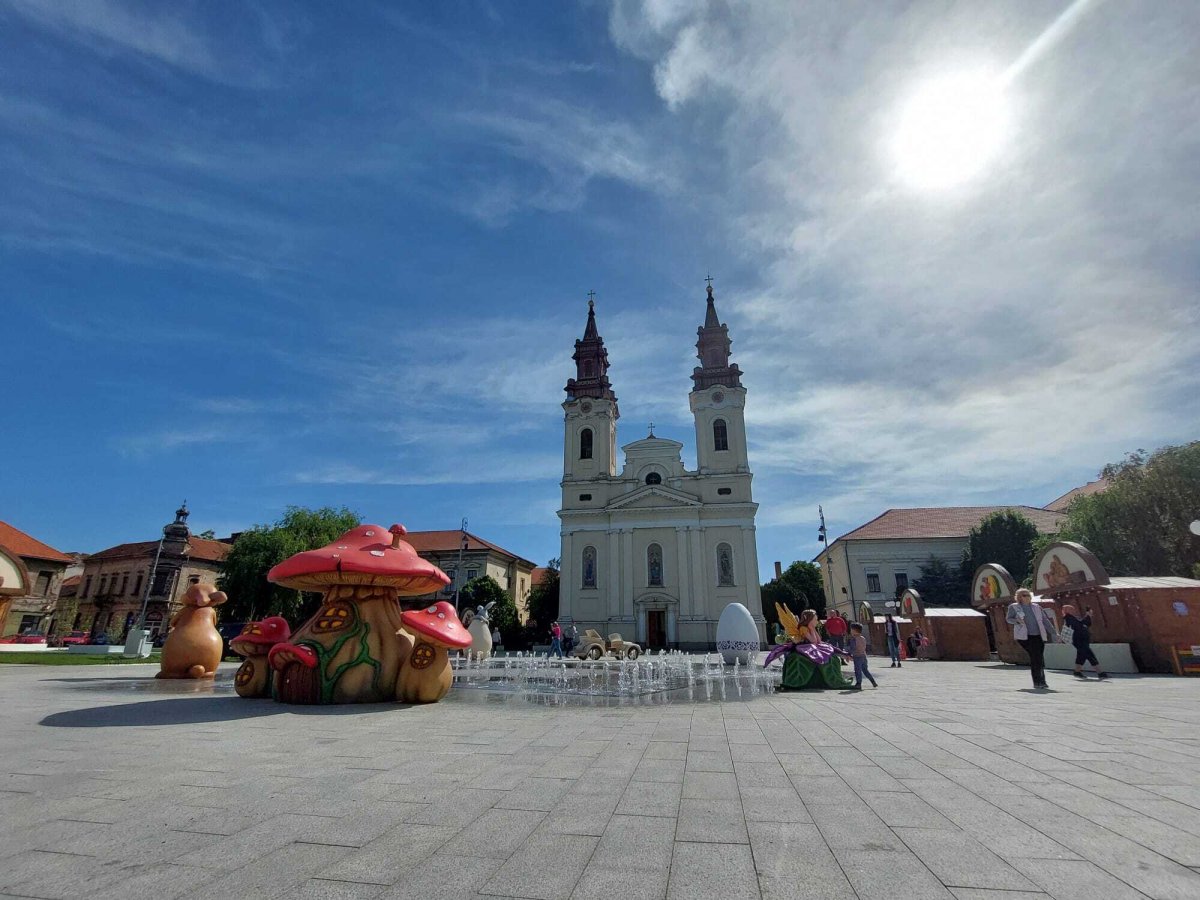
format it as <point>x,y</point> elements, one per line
<point>951,781</point>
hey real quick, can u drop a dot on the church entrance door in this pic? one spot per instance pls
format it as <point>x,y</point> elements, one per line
<point>656,629</point>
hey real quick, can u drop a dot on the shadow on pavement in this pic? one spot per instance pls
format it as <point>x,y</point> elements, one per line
<point>179,711</point>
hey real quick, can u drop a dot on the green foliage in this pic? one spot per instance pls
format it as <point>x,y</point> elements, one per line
<point>543,599</point>
<point>484,590</point>
<point>244,575</point>
<point>799,588</point>
<point>1139,524</point>
<point>941,584</point>
<point>1005,537</point>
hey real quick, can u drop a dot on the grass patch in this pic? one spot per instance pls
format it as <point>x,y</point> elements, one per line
<point>52,658</point>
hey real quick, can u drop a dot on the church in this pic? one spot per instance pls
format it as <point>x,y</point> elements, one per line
<point>656,551</point>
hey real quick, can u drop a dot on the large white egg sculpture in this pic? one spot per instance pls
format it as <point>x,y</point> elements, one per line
<point>737,635</point>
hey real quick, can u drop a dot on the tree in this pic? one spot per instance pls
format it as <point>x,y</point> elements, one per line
<point>1005,537</point>
<point>208,535</point>
<point>244,575</point>
<point>484,590</point>
<point>941,584</point>
<point>543,599</point>
<point>1138,525</point>
<point>799,588</point>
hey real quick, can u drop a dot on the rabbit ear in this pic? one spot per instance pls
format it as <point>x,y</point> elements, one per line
<point>490,605</point>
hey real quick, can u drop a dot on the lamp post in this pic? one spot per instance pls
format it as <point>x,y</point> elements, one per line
<point>462,546</point>
<point>823,537</point>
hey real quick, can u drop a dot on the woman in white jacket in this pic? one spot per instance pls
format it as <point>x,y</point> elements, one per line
<point>1033,629</point>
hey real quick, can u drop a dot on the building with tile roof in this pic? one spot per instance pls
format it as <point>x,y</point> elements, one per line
<point>117,580</point>
<point>464,556</point>
<point>877,560</point>
<point>31,575</point>
<point>1086,490</point>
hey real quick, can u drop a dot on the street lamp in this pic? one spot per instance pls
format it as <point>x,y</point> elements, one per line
<point>462,545</point>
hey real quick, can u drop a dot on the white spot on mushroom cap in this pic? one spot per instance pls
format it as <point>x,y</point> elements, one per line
<point>377,553</point>
<point>431,609</point>
<point>342,547</point>
<point>369,533</point>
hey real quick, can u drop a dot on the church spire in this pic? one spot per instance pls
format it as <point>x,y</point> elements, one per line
<point>591,362</point>
<point>712,349</point>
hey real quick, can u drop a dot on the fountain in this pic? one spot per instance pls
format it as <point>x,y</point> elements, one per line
<point>663,677</point>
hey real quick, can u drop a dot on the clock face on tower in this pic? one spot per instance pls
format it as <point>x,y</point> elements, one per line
<point>718,396</point>
<point>585,407</point>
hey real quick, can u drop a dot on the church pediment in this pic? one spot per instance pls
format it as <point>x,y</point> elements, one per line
<point>654,497</point>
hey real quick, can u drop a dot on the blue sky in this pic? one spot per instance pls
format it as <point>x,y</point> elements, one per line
<point>258,254</point>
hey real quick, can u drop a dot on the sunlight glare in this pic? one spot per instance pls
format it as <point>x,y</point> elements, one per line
<point>950,129</point>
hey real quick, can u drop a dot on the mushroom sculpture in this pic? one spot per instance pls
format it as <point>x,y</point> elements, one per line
<point>426,675</point>
<point>253,678</point>
<point>350,651</point>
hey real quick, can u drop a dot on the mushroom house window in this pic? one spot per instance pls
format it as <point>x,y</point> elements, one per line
<point>724,565</point>
<point>654,566</point>
<point>585,444</point>
<point>653,478</point>
<point>589,567</point>
<point>720,435</point>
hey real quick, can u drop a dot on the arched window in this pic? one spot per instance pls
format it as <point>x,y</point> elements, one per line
<point>589,567</point>
<point>720,435</point>
<point>653,478</point>
<point>654,566</point>
<point>724,565</point>
<point>585,444</point>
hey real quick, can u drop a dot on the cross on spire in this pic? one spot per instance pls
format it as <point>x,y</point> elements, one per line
<point>591,299</point>
<point>708,280</point>
<point>651,429</point>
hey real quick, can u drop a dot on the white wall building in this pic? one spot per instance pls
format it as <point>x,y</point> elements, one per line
<point>657,551</point>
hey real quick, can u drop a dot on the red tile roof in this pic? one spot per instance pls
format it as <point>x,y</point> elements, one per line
<point>538,575</point>
<point>943,522</point>
<point>202,548</point>
<point>22,544</point>
<point>1092,487</point>
<point>450,541</point>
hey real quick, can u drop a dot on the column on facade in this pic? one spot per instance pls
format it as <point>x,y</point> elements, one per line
<point>700,590</point>
<point>682,562</point>
<point>627,570</point>
<point>612,596</point>
<point>751,590</point>
<point>568,590</point>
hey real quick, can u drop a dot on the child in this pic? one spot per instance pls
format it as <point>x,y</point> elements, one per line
<point>858,652</point>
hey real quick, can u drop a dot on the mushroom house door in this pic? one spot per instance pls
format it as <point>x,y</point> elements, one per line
<point>656,628</point>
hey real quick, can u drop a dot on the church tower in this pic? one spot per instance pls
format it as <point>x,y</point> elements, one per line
<point>718,400</point>
<point>590,440</point>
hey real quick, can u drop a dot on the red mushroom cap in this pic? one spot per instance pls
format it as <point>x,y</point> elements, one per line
<point>271,630</point>
<point>439,623</point>
<point>368,554</point>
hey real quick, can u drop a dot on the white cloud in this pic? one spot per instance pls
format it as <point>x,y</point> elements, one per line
<point>931,348</point>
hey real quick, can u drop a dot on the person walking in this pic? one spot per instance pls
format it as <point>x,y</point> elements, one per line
<point>1033,629</point>
<point>835,630</point>
<point>891,630</point>
<point>556,640</point>
<point>1081,640</point>
<point>496,645</point>
<point>858,653</point>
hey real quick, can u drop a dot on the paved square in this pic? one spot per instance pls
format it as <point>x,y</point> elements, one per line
<point>951,781</point>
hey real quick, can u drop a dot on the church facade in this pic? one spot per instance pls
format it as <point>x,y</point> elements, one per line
<point>653,550</point>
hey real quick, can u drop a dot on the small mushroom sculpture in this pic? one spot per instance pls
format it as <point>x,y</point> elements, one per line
<point>253,678</point>
<point>426,676</point>
<point>350,651</point>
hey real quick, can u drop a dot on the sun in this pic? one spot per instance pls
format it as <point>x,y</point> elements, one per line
<point>950,129</point>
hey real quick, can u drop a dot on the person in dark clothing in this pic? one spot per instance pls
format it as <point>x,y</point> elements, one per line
<point>1081,639</point>
<point>891,630</point>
